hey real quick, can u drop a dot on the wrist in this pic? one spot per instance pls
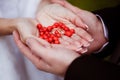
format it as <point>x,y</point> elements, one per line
<point>100,37</point>
<point>7,26</point>
<point>15,24</point>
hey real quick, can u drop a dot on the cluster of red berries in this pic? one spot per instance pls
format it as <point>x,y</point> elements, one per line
<point>54,32</point>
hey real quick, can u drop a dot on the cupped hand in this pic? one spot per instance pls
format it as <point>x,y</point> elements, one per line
<point>26,28</point>
<point>52,13</point>
<point>93,22</point>
<point>52,59</point>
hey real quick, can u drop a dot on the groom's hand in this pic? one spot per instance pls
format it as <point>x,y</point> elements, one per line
<point>95,25</point>
<point>53,59</point>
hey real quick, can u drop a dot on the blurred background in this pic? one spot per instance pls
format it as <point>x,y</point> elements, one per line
<point>94,4</point>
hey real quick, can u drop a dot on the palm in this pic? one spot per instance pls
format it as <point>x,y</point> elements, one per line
<point>27,28</point>
<point>56,13</point>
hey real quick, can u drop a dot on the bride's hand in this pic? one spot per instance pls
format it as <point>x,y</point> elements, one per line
<point>52,13</point>
<point>26,28</point>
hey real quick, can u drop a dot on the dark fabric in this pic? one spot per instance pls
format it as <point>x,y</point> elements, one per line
<point>111,18</point>
<point>90,67</point>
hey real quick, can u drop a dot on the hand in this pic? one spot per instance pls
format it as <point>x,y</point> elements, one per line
<point>45,57</point>
<point>95,25</point>
<point>26,28</point>
<point>55,13</point>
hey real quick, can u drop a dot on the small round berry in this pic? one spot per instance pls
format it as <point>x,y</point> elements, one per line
<point>39,26</point>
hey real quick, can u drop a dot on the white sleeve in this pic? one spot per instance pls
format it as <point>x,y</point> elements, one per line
<point>27,8</point>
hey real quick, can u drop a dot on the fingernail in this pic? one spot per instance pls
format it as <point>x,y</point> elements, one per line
<point>84,51</point>
<point>91,40</point>
<point>78,49</point>
<point>86,26</point>
<point>86,45</point>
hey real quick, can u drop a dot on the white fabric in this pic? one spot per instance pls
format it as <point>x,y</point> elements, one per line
<point>13,65</point>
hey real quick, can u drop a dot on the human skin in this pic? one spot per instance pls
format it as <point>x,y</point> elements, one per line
<point>44,56</point>
<point>25,26</point>
<point>48,14</point>
<point>93,22</point>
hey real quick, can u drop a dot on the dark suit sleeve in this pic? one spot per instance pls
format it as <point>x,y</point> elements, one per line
<point>89,67</point>
<point>111,18</point>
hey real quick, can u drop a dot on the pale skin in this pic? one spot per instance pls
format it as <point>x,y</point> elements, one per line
<point>51,13</point>
<point>47,59</point>
<point>7,26</point>
<point>92,21</point>
<point>32,53</point>
<point>44,57</point>
<point>27,26</point>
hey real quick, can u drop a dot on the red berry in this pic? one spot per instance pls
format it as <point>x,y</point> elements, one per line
<point>66,28</point>
<point>41,37</point>
<point>56,24</point>
<point>68,33</point>
<point>60,23</point>
<point>48,35</point>
<point>41,33</point>
<point>44,29</point>
<point>46,32</point>
<point>50,39</point>
<point>56,32</point>
<point>45,37</point>
<point>52,35</point>
<point>58,35</point>
<point>72,30</point>
<point>57,42</point>
<point>49,28</point>
<point>39,26</point>
<point>55,38</point>
<point>63,26</point>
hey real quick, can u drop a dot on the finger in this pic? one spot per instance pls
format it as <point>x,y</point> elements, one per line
<point>71,41</point>
<point>40,63</point>
<point>82,50</point>
<point>25,50</point>
<point>73,17</point>
<point>63,42</point>
<point>37,47</point>
<point>70,47</point>
<point>70,6</point>
<point>76,37</point>
<point>80,32</point>
<point>42,41</point>
<point>82,41</point>
<point>84,34</point>
<point>67,44</point>
<point>76,20</point>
